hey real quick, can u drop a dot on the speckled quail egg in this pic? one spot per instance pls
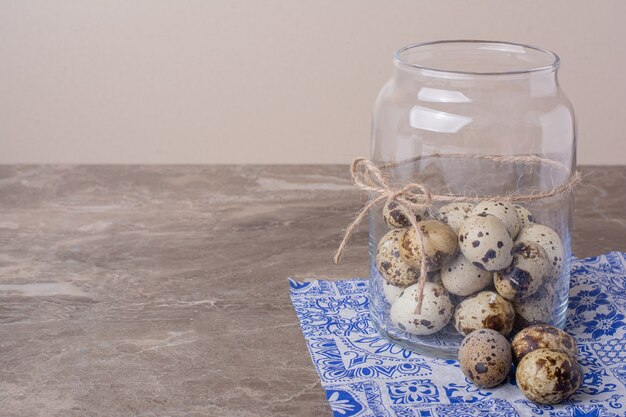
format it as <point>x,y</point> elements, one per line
<point>435,313</point>
<point>462,278</point>
<point>548,376</point>
<point>549,240</point>
<point>440,245</point>
<point>536,309</point>
<point>454,214</point>
<point>392,292</point>
<point>485,242</point>
<point>395,217</point>
<point>524,216</point>
<point>503,211</point>
<point>528,270</point>
<point>485,357</point>
<point>542,336</point>
<point>485,310</point>
<point>389,263</point>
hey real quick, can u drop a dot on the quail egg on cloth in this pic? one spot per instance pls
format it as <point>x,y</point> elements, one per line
<point>542,337</point>
<point>440,245</point>
<point>485,310</point>
<point>485,357</point>
<point>549,240</point>
<point>461,277</point>
<point>392,292</point>
<point>454,214</point>
<point>503,211</point>
<point>395,218</point>
<point>528,270</point>
<point>435,313</point>
<point>524,216</point>
<point>548,376</point>
<point>486,242</point>
<point>389,263</point>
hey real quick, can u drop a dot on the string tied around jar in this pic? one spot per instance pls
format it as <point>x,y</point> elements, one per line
<point>414,196</point>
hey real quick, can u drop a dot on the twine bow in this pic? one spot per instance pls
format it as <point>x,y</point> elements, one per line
<point>409,198</point>
<point>414,196</point>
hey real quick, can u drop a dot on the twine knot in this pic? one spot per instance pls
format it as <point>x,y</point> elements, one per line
<point>368,177</point>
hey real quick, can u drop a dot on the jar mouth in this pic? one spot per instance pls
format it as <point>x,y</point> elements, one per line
<point>476,57</point>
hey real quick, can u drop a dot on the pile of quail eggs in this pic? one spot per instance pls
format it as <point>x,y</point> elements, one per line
<point>491,269</point>
<point>489,265</point>
<point>547,371</point>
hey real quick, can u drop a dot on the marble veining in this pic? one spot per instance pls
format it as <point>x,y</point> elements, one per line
<point>162,290</point>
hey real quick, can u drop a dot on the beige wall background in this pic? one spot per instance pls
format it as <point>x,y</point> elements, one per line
<point>272,81</point>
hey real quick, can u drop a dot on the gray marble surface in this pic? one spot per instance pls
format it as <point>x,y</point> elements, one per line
<point>162,290</point>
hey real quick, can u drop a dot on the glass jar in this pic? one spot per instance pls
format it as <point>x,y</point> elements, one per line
<point>475,119</point>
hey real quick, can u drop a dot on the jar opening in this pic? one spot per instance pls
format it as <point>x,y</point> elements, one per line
<point>476,57</point>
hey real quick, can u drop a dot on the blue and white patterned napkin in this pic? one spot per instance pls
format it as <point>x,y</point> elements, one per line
<point>366,375</point>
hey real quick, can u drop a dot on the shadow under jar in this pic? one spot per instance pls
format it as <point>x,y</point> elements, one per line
<point>475,119</point>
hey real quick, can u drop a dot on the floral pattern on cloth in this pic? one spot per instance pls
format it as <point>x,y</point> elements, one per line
<point>366,375</point>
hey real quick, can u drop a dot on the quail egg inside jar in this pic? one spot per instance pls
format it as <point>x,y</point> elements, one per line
<point>436,309</point>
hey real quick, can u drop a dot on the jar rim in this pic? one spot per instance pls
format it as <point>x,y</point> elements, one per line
<point>544,59</point>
